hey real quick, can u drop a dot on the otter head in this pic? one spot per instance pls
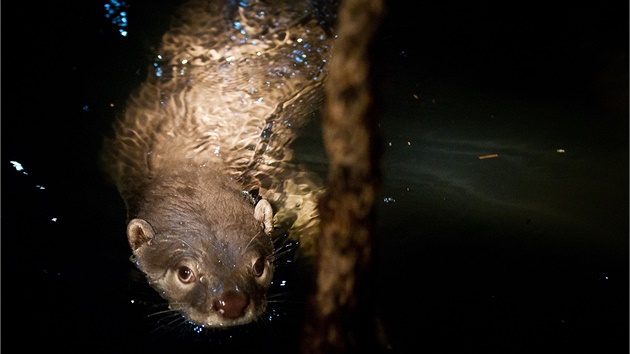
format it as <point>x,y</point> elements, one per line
<point>215,271</point>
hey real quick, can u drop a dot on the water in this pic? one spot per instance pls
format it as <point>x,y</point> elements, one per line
<point>524,252</point>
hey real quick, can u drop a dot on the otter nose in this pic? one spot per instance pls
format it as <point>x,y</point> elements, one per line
<point>231,304</point>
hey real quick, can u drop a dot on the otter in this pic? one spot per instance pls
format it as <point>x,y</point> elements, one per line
<point>194,153</point>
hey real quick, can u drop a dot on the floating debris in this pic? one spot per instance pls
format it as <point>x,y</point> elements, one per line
<point>560,151</point>
<point>488,156</point>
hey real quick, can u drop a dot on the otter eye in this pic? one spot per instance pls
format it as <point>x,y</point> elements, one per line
<point>185,275</point>
<point>258,267</point>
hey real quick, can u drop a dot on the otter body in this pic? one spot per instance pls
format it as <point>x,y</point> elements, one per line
<point>231,84</point>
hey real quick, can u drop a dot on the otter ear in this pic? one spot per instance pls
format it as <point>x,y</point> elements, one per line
<point>139,232</point>
<point>264,213</point>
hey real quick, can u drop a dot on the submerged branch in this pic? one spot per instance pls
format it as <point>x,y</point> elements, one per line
<point>340,314</point>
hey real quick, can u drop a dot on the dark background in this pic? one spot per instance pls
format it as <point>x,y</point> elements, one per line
<point>449,279</point>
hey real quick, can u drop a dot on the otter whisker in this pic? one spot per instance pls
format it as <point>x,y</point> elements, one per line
<point>172,317</point>
<point>167,311</point>
<point>181,319</point>
<point>277,297</point>
<point>279,253</point>
<point>250,243</point>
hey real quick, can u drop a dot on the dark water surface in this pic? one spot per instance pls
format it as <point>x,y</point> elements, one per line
<point>525,252</point>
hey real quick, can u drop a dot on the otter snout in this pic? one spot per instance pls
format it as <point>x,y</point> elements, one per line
<point>231,304</point>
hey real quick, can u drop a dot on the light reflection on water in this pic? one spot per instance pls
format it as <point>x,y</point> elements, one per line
<point>18,166</point>
<point>114,10</point>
